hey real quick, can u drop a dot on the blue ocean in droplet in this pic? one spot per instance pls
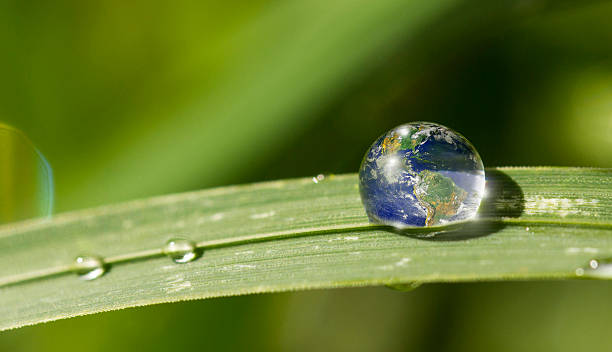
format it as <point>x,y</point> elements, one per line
<point>421,174</point>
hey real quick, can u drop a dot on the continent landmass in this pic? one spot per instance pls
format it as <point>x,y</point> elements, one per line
<point>440,196</point>
<point>394,142</point>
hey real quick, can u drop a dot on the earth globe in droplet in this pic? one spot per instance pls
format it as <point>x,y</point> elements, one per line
<point>421,174</point>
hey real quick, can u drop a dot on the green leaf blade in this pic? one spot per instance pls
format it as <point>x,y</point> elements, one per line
<point>537,223</point>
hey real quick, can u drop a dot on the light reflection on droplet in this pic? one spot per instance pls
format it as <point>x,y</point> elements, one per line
<point>26,179</point>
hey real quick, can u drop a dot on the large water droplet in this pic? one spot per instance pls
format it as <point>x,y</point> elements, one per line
<point>421,174</point>
<point>405,287</point>
<point>26,180</point>
<point>596,269</point>
<point>89,267</point>
<point>181,250</point>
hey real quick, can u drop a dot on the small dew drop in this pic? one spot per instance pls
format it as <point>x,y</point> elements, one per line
<point>318,178</point>
<point>180,250</point>
<point>89,267</point>
<point>405,287</point>
<point>596,269</point>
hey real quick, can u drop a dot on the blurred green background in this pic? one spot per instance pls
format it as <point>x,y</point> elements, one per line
<point>140,98</point>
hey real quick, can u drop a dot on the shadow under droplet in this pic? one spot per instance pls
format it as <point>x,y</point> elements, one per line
<point>504,199</point>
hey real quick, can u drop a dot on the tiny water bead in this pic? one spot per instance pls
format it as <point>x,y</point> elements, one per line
<point>421,174</point>
<point>89,267</point>
<point>318,178</point>
<point>596,269</point>
<point>180,250</point>
<point>26,179</point>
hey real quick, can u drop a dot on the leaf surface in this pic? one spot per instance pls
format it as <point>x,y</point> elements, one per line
<point>536,223</point>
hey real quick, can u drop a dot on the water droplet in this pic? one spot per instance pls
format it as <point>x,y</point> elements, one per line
<point>181,250</point>
<point>421,174</point>
<point>318,178</point>
<point>89,267</point>
<point>596,269</point>
<point>26,179</point>
<point>527,229</point>
<point>405,287</point>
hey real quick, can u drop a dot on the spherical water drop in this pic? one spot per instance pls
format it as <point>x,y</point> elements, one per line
<point>89,267</point>
<point>26,179</point>
<point>421,174</point>
<point>181,250</point>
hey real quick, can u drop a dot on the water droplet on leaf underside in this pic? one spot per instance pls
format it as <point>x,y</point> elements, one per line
<point>405,287</point>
